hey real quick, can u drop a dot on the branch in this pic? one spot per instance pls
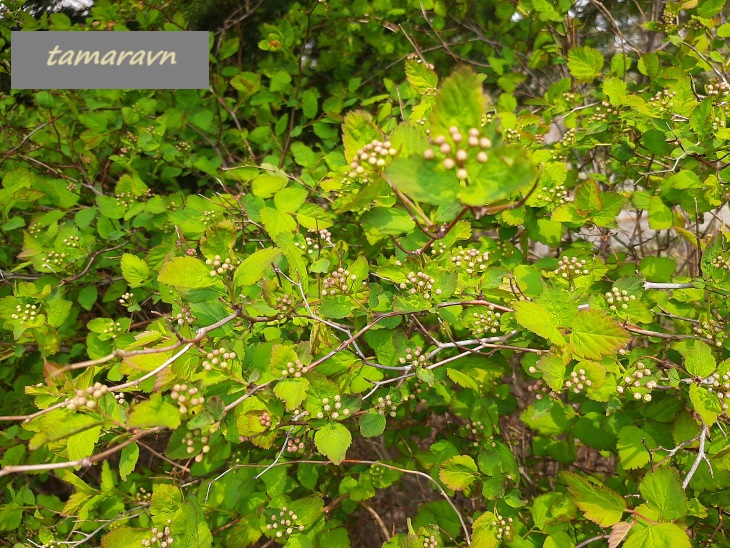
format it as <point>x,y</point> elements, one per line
<point>700,457</point>
<point>85,462</point>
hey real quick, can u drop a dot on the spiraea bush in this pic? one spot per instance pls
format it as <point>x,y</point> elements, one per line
<point>352,296</point>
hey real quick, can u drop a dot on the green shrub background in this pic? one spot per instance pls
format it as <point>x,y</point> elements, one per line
<point>409,274</point>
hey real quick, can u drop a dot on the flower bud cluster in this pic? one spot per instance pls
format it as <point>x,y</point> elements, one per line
<point>476,429</point>
<point>34,229</point>
<point>209,217</point>
<point>284,304</point>
<point>457,158</point>
<point>143,495</point>
<point>124,198</point>
<point>512,135</point>
<point>640,383</point>
<point>294,444</point>
<point>663,100</point>
<point>419,282</point>
<point>540,389</point>
<point>127,299</point>
<point>563,148</point>
<point>160,537</point>
<point>386,406</point>
<point>265,419</point>
<point>27,313</point>
<point>438,247</point>
<point>284,524</point>
<point>472,260</point>
<point>87,398</point>
<point>717,123</point>
<point>618,299</point>
<point>220,266</point>
<point>504,527</point>
<point>373,155</point>
<point>430,542</point>
<point>722,385</point>
<point>114,330</point>
<point>578,381</point>
<point>713,330</point>
<point>333,409</point>
<point>553,195</point>
<point>185,396</point>
<point>487,322</point>
<point>718,88</point>
<point>189,441</point>
<point>603,111</point>
<point>569,268</point>
<point>721,262</point>
<point>414,358</point>
<point>54,258</point>
<point>338,282</point>
<point>184,317</point>
<point>219,357</point>
<point>294,369</point>
<point>119,396</point>
<point>72,241</point>
<point>418,391</point>
<point>311,244</point>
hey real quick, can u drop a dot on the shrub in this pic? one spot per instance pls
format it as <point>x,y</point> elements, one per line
<point>399,311</point>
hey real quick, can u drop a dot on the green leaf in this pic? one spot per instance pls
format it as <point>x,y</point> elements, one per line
<point>698,358</point>
<point>128,460</point>
<point>706,403</point>
<point>186,273</point>
<point>252,269</point>
<point>388,220</point>
<point>536,318</point>
<point>292,392</point>
<point>218,240</point>
<point>419,179</point>
<point>663,491</point>
<point>420,76</point>
<point>124,537</point>
<point>154,412</point>
<point>507,170</point>
<point>660,535</point>
<point>660,216</point>
<point>484,534</point>
<point>166,499</point>
<point>189,527</point>
<point>358,131</point>
<point>372,424</point>
<point>309,103</point>
<point>585,63</point>
<point>600,504</point>
<point>277,222</point>
<point>134,270</point>
<point>460,103</point>
<point>595,335</point>
<point>332,441</point>
<point>87,296</point>
<point>633,447</point>
<point>458,472</point>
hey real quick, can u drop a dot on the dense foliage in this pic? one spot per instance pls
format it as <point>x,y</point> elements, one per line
<point>410,273</point>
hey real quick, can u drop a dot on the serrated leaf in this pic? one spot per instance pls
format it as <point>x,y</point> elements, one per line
<point>420,76</point>
<point>358,130</point>
<point>186,273</point>
<point>418,179</point>
<point>600,504</point>
<point>660,535</point>
<point>460,102</point>
<point>458,472</point>
<point>332,441</point>
<point>595,335</point>
<point>633,447</point>
<point>372,424</point>
<point>706,403</point>
<point>663,491</point>
<point>134,270</point>
<point>292,392</point>
<point>618,533</point>
<point>698,358</point>
<point>252,269</point>
<point>536,318</point>
<point>585,63</point>
<point>128,460</point>
<point>124,537</point>
<point>154,412</point>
